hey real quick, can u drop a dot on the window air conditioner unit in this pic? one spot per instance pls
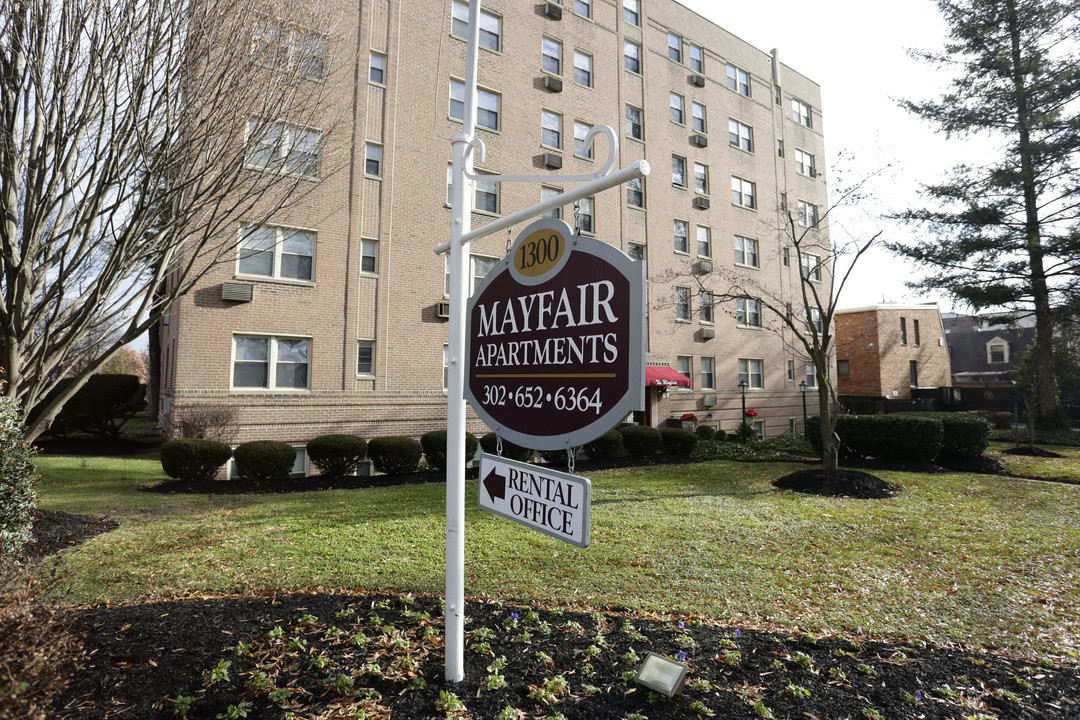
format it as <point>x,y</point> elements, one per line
<point>443,309</point>
<point>703,267</point>
<point>552,161</point>
<point>708,400</point>
<point>237,292</point>
<point>553,84</point>
<point>698,140</point>
<point>708,333</point>
<point>553,11</point>
<point>701,203</point>
<point>697,80</point>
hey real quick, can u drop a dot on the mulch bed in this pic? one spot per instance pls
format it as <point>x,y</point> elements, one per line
<point>1032,451</point>
<point>54,531</point>
<point>838,483</point>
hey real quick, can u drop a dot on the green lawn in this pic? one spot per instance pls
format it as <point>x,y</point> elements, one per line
<point>980,559</point>
<point>1066,469</point>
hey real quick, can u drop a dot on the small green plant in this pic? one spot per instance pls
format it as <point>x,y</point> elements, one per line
<point>532,617</point>
<point>331,632</point>
<point>483,633</point>
<point>730,657</point>
<point>497,664</point>
<point>979,716</point>
<point>701,709</point>
<point>183,704</point>
<point>699,685</point>
<point>636,716</point>
<point>448,702</point>
<point>628,676</point>
<point>482,648</point>
<point>808,639</point>
<point>525,637</point>
<point>762,712</point>
<point>803,660</point>
<point>493,682</point>
<point>342,684</point>
<point>296,645</point>
<point>573,626</point>
<point>1020,682</point>
<point>630,657</point>
<point>1007,695</point>
<point>544,628</point>
<point>344,613</point>
<point>359,639</point>
<point>685,641</point>
<point>507,713</point>
<point>258,683</point>
<point>279,696</point>
<point>792,690</point>
<point>276,634</point>
<point>838,675</point>
<point>544,658</point>
<point>872,714</point>
<point>220,672</point>
<point>945,693</point>
<point>590,690</point>
<point>586,670</point>
<point>242,648</point>
<point>865,669</point>
<point>321,662</point>
<point>840,652</point>
<point>725,644</point>
<point>417,683</point>
<point>234,712</point>
<point>307,619</point>
<point>591,651</point>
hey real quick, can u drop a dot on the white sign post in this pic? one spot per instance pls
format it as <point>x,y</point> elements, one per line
<point>555,503</point>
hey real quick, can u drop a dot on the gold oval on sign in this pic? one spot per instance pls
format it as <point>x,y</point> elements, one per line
<point>539,252</point>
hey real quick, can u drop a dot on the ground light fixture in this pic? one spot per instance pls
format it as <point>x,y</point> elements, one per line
<point>802,389</point>
<point>661,674</point>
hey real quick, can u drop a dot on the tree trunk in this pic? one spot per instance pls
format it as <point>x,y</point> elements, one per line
<point>153,372</point>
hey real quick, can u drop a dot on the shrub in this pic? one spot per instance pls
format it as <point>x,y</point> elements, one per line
<point>434,444</point>
<point>510,450</point>
<point>787,443</point>
<point>559,458</point>
<point>888,437</point>
<point>998,419</point>
<point>208,422</point>
<point>964,435</point>
<point>676,441</point>
<point>337,455</point>
<point>18,478</point>
<point>264,461</point>
<point>36,644</point>
<point>395,455</point>
<point>720,450</point>
<point>193,459</point>
<point>606,446</point>
<point>101,407</point>
<point>641,441</point>
<point>705,432</point>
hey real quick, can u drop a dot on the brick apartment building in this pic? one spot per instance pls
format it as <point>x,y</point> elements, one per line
<point>891,350</point>
<point>332,319</point>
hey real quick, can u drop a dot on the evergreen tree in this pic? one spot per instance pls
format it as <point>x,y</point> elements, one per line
<point>1007,231</point>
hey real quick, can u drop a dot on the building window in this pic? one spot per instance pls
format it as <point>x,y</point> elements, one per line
<point>678,171</point>
<point>684,365</point>
<point>582,68</point>
<point>582,148</point>
<point>633,123</point>
<point>377,68</point>
<point>704,242</point>
<point>369,256</point>
<point>697,58</point>
<point>486,198</point>
<point>678,112</point>
<point>746,251</point>
<point>636,251</point>
<point>913,369</point>
<point>271,363</point>
<point>276,252</point>
<point>701,178</point>
<point>738,80</point>
<point>551,56</point>
<point>547,193</point>
<point>812,318</point>
<point>915,330</point>
<point>780,148</point>
<point>743,193</point>
<point>786,256</point>
<point>632,56</point>
<point>583,8</point>
<point>791,370</point>
<point>747,312</point>
<point>297,50</point>
<point>365,357</point>
<point>810,266</point>
<point>674,47</point>
<point>800,113</point>
<point>487,105</point>
<point>697,111</point>
<point>811,375</point>
<point>681,243</point>
<point>705,308</point>
<point>631,11</point>
<point>480,267</point>
<point>808,214</point>
<point>751,372</point>
<point>280,147</point>
<point>843,368</point>
<point>903,331</point>
<point>708,373</point>
<point>551,129</point>
<point>997,352</point>
<point>586,216</point>
<point>635,193</point>
<point>490,26</point>
<point>740,135</point>
<point>682,304</point>
<point>804,163</point>
<point>373,159</point>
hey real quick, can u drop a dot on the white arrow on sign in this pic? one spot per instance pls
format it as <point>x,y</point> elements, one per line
<point>555,503</point>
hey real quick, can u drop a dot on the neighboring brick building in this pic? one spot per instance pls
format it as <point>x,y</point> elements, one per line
<point>889,350</point>
<point>985,350</point>
<point>331,321</point>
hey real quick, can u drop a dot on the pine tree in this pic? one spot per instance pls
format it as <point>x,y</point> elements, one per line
<point>1007,231</point>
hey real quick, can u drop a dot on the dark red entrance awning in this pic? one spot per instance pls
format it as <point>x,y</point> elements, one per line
<point>663,376</point>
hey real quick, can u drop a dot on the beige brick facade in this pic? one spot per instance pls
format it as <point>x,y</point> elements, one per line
<point>402,211</point>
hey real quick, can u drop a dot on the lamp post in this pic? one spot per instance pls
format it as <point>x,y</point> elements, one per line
<point>742,418</point>
<point>802,389</point>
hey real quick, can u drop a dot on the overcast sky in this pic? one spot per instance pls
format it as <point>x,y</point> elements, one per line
<point>857,52</point>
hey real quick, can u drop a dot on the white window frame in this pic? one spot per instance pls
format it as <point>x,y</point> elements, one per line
<point>697,59</point>
<point>804,163</point>
<point>705,307</point>
<point>547,192</point>
<point>551,55</point>
<point>676,108</point>
<point>813,320</point>
<point>997,342</point>
<point>682,304</point>
<point>284,148</point>
<point>635,187</point>
<point>740,135</point>
<point>674,51</point>
<point>379,67</point>
<point>632,12</point>
<point>708,372</point>
<point>547,117</point>
<point>747,255</point>
<point>752,370</point>
<point>632,124</point>
<point>810,266</point>
<point>802,113</point>
<point>370,346</point>
<point>703,236</point>
<point>811,376</point>
<point>684,365</point>
<point>808,214</point>
<point>294,59</point>
<point>586,215</point>
<point>632,56</point>
<point>581,131</point>
<point>678,171</point>
<point>748,312</point>
<point>683,226</point>
<point>272,363</point>
<point>490,26</point>
<point>278,249</point>
<point>369,251</point>
<point>698,119</point>
<point>738,80</point>
<point>583,66</point>
<point>583,8</point>
<point>743,192</point>
<point>701,178</point>
<point>478,190</point>
<point>373,154</point>
<point>476,263</point>
<point>485,98</point>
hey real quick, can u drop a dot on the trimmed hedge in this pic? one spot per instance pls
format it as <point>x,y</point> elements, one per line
<point>395,455</point>
<point>677,441</point>
<point>337,455</point>
<point>965,435</point>
<point>705,432</point>
<point>888,437</point>
<point>515,452</point>
<point>606,446</point>
<point>18,480</point>
<point>434,444</point>
<point>264,460</point>
<point>194,459</point>
<point>641,441</point>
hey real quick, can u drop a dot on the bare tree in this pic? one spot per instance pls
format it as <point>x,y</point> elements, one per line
<point>803,315</point>
<point>135,136</point>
